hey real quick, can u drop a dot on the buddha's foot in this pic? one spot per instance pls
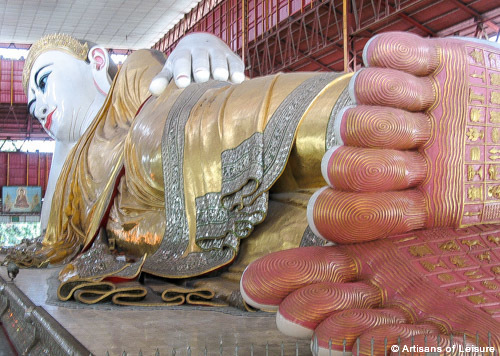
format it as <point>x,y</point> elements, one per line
<point>421,146</point>
<point>427,285</point>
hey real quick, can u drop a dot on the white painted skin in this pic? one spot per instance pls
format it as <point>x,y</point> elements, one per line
<point>316,350</point>
<point>310,212</point>
<point>350,87</point>
<point>292,329</point>
<point>337,124</point>
<point>70,101</point>
<point>324,164</point>
<point>66,104</point>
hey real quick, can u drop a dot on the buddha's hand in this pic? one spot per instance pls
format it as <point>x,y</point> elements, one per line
<point>199,57</point>
<point>421,145</point>
<point>428,285</point>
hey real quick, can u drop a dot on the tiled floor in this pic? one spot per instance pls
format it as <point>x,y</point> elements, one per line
<point>115,331</point>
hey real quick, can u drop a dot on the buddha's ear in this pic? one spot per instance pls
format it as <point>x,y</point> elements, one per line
<point>99,62</point>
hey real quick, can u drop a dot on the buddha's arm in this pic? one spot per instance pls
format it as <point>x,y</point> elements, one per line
<point>61,151</point>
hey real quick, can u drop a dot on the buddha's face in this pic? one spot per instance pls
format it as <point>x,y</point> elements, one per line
<point>60,94</point>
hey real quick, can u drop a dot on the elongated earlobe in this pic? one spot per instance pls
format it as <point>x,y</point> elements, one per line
<point>98,56</point>
<point>99,62</point>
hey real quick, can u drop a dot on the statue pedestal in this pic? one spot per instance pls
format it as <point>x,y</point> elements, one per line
<point>30,329</point>
<point>103,328</point>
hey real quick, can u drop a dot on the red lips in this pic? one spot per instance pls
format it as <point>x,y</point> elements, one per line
<point>48,121</point>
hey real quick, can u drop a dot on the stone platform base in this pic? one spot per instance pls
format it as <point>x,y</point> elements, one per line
<point>30,330</point>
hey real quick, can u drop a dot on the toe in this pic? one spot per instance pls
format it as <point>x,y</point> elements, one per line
<point>402,51</point>
<point>301,311</point>
<point>372,170</point>
<point>349,217</point>
<point>268,280</point>
<point>389,87</point>
<point>382,127</point>
<point>338,333</point>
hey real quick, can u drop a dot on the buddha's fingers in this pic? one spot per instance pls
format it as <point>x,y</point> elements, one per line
<point>236,69</point>
<point>382,127</point>
<point>373,341</point>
<point>347,217</point>
<point>302,310</point>
<point>182,68</point>
<point>403,51</point>
<point>393,88</point>
<point>268,280</point>
<point>372,170</point>
<point>219,64</point>
<point>338,333</point>
<point>201,65</point>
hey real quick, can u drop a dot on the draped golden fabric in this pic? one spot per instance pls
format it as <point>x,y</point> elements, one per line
<point>87,180</point>
<point>277,127</point>
<point>221,120</point>
<point>273,129</point>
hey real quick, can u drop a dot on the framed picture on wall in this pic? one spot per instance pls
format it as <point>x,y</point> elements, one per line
<point>21,199</point>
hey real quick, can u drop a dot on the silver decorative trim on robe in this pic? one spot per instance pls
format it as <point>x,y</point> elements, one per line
<point>169,259</point>
<point>250,170</point>
<point>343,101</point>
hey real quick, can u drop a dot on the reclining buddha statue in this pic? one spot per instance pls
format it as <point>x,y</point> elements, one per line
<point>192,185</point>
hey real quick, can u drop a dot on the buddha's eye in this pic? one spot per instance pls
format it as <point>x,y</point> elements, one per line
<point>42,83</point>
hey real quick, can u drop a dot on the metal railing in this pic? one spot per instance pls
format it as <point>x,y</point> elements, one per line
<point>454,347</point>
<point>32,330</point>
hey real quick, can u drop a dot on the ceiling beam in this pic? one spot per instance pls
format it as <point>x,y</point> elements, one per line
<point>417,24</point>
<point>470,23</point>
<point>476,14</point>
<point>385,18</point>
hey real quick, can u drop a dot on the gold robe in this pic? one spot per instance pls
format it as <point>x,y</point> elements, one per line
<point>87,180</point>
<point>223,148</point>
<point>180,185</point>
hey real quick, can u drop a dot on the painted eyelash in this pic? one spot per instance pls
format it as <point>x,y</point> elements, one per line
<point>42,79</point>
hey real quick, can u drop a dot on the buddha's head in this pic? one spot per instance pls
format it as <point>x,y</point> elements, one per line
<point>66,80</point>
